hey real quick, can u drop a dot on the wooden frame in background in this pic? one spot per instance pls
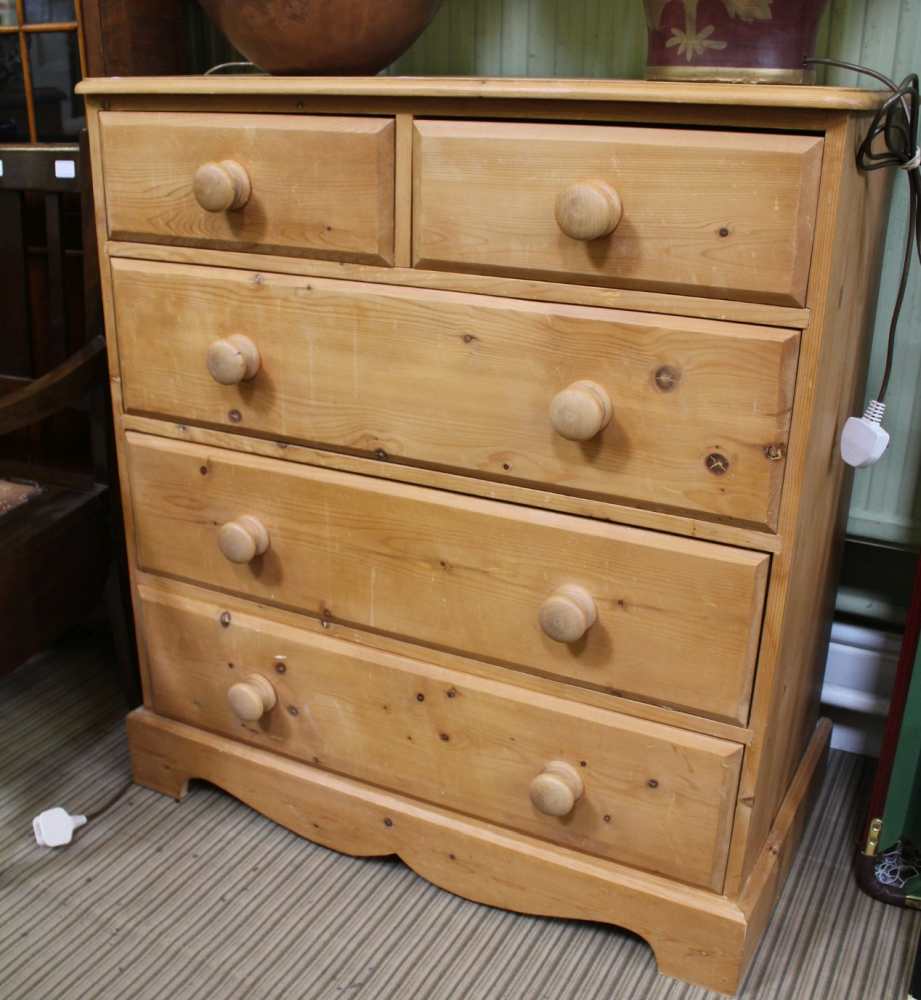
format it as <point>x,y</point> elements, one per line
<point>134,37</point>
<point>23,29</point>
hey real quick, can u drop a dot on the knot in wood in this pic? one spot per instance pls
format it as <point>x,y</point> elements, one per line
<point>667,378</point>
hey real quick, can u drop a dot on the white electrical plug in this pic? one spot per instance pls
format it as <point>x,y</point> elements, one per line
<point>863,439</point>
<point>55,827</point>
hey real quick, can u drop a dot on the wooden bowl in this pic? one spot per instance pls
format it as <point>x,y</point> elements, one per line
<point>321,37</point>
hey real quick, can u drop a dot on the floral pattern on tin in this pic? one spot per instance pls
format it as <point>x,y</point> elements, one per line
<point>694,41</point>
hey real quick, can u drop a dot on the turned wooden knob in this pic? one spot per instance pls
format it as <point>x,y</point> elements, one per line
<point>556,789</point>
<point>251,698</point>
<point>243,539</point>
<point>568,614</point>
<point>233,360</point>
<point>221,187</point>
<point>581,411</point>
<point>589,210</point>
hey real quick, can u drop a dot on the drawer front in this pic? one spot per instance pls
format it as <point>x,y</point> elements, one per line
<point>317,186</point>
<point>651,796</point>
<point>699,411</point>
<point>671,620</point>
<point>729,215</point>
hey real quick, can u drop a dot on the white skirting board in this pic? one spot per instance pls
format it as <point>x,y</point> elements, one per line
<point>858,684</point>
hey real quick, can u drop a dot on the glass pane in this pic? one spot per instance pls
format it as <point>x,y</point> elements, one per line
<point>7,12</point>
<point>55,63</point>
<point>14,123</point>
<point>49,10</point>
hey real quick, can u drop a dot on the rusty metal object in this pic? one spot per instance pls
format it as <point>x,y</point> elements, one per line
<point>321,37</point>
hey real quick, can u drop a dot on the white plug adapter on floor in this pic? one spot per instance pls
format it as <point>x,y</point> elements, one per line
<point>55,827</point>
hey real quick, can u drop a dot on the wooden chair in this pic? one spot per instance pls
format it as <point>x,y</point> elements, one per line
<point>60,542</point>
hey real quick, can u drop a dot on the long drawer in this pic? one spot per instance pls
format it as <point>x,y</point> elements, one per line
<point>644,794</point>
<point>694,415</point>
<point>725,214</point>
<point>671,620</point>
<point>301,185</point>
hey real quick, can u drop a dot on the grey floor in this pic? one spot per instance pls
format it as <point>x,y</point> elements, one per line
<point>207,899</point>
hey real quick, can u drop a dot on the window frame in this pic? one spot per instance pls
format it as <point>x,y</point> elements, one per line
<point>23,29</point>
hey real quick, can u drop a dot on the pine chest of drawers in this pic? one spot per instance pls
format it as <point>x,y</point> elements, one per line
<point>478,449</point>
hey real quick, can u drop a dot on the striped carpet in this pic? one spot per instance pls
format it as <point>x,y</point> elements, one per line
<point>209,900</point>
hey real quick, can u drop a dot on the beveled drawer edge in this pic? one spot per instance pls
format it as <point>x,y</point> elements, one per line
<point>462,244</point>
<point>205,681</point>
<point>724,310</point>
<point>371,127</point>
<point>173,588</point>
<point>600,510</point>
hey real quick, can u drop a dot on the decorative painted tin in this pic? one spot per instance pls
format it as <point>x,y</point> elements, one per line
<point>752,41</point>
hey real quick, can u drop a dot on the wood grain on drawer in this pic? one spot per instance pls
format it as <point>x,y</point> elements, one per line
<point>677,620</point>
<point>654,797</point>
<point>723,214</point>
<point>466,382</point>
<point>320,186</point>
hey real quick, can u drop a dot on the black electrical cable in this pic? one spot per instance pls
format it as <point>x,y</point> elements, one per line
<point>897,123</point>
<point>117,797</point>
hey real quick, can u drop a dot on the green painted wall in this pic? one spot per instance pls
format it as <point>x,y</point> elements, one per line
<point>607,38</point>
<point>902,811</point>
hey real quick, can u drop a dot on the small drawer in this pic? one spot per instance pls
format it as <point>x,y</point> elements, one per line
<point>295,185</point>
<point>671,620</point>
<point>638,792</point>
<point>690,416</point>
<point>721,214</point>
